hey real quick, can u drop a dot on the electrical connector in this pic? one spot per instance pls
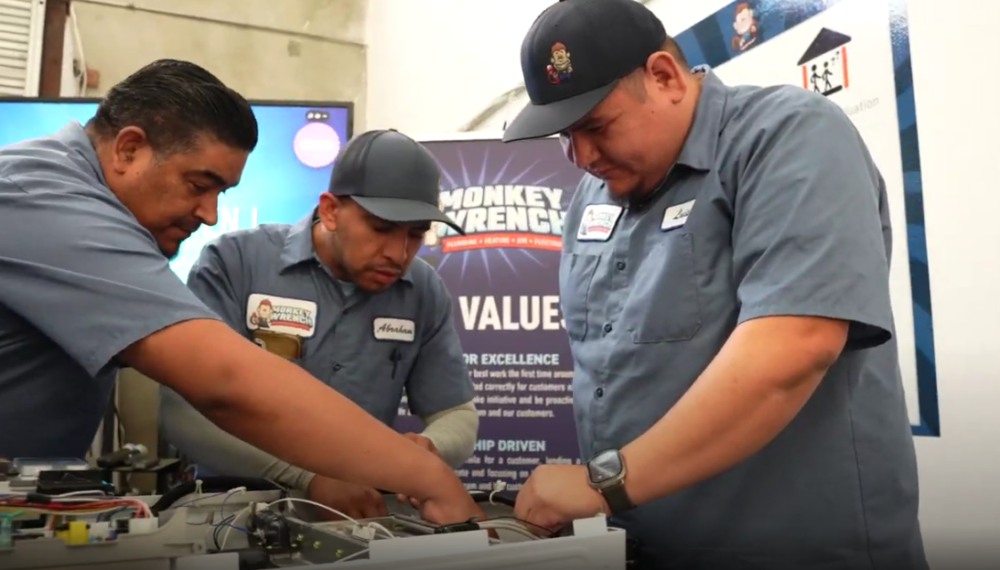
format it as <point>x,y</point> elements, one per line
<point>143,526</point>
<point>364,532</point>
<point>466,526</point>
<point>100,532</point>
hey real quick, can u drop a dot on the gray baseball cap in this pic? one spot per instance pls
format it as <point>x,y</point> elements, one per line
<point>392,176</point>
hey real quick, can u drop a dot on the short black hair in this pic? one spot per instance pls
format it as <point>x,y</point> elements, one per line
<point>176,102</point>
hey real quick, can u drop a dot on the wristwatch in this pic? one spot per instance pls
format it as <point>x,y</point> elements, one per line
<point>606,473</point>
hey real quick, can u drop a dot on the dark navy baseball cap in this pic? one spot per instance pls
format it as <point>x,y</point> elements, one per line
<point>391,176</point>
<point>574,55</point>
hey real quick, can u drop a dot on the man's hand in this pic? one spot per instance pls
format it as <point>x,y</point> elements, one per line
<point>429,446</point>
<point>452,508</point>
<point>353,500</point>
<point>556,495</point>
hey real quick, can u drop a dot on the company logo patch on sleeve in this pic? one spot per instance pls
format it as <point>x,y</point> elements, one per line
<point>295,317</point>
<point>399,330</point>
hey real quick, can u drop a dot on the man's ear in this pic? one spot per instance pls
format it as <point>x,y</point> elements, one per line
<point>127,144</point>
<point>327,211</point>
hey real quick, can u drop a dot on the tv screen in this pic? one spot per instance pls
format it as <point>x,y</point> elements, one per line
<point>283,177</point>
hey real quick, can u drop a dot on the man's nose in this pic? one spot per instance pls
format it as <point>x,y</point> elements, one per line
<point>208,209</point>
<point>579,149</point>
<point>397,248</point>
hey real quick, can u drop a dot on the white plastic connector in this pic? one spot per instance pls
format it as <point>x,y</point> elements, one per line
<point>100,531</point>
<point>259,507</point>
<point>364,532</point>
<point>143,526</point>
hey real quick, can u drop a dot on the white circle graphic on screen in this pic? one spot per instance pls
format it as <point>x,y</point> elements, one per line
<point>316,145</point>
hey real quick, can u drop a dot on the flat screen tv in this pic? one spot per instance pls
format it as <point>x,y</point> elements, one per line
<point>283,177</point>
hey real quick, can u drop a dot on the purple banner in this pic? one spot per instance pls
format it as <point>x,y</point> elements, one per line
<point>503,276</point>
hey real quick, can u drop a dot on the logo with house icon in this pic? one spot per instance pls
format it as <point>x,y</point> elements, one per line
<point>824,64</point>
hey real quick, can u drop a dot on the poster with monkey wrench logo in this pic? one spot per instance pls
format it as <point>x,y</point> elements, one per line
<point>503,276</point>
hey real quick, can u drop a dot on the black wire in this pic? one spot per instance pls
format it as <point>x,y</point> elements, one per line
<point>525,523</point>
<point>224,523</point>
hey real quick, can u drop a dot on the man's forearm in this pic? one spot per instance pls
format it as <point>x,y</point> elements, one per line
<point>752,389</point>
<point>304,422</point>
<point>453,432</point>
<point>218,452</point>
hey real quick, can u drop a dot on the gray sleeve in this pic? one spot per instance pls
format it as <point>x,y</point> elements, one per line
<point>82,271</point>
<point>807,233</point>
<point>453,432</point>
<point>218,452</point>
<point>439,379</point>
<point>217,279</point>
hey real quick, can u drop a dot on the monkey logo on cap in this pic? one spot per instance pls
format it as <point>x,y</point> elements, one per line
<point>561,67</point>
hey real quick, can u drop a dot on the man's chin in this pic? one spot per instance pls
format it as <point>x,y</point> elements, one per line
<point>170,251</point>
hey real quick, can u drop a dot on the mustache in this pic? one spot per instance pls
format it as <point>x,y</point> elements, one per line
<point>191,227</point>
<point>390,267</point>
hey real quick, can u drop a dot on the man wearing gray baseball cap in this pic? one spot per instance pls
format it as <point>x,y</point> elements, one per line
<point>341,294</point>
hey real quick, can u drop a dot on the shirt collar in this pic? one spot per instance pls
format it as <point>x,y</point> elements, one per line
<point>702,140</point>
<point>75,137</point>
<point>298,246</point>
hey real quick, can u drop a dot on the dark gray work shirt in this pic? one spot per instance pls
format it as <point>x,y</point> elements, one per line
<point>80,280</point>
<point>774,207</point>
<point>370,347</point>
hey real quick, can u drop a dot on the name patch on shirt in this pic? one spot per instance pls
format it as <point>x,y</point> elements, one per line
<point>598,222</point>
<point>676,216</point>
<point>296,317</point>
<point>399,330</point>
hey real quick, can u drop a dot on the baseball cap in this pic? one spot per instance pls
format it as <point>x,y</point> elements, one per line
<point>392,176</point>
<point>573,56</point>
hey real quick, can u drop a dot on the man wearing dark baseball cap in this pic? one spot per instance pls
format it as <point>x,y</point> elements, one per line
<point>725,290</point>
<point>342,295</point>
<point>392,177</point>
<point>572,58</point>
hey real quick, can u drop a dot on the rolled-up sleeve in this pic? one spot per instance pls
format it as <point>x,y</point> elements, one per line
<point>807,232</point>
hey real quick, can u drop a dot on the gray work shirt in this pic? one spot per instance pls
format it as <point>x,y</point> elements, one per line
<point>370,347</point>
<point>774,207</point>
<point>80,280</point>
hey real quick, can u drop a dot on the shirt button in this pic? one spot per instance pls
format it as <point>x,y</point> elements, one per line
<point>620,265</point>
<point>599,392</point>
<point>337,367</point>
<point>607,328</point>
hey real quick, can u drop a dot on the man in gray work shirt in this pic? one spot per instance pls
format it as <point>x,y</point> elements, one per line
<point>88,219</point>
<point>725,287</point>
<point>340,294</point>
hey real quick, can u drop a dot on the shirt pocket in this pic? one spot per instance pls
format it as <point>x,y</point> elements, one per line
<point>664,304</point>
<point>576,275</point>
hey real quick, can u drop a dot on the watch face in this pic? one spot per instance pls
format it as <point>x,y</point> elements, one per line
<point>604,467</point>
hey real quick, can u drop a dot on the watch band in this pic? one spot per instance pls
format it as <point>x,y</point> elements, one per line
<point>617,499</point>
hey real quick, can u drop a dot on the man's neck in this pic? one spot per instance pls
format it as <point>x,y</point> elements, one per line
<point>324,251</point>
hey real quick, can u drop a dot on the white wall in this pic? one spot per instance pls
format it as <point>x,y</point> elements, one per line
<point>430,71</point>
<point>306,50</point>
